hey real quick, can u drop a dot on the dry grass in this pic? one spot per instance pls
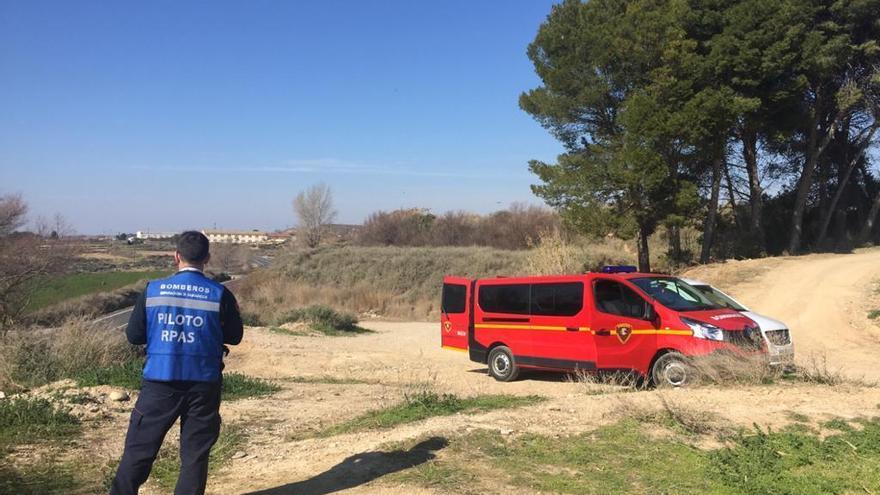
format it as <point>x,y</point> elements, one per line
<point>400,282</point>
<point>670,413</point>
<point>30,358</point>
<point>729,369</point>
<point>606,383</point>
<point>553,253</point>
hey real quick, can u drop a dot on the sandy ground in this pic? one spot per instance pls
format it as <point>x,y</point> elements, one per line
<point>823,299</point>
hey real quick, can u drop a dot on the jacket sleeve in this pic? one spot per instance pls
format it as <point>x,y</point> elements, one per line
<point>136,331</point>
<point>230,319</point>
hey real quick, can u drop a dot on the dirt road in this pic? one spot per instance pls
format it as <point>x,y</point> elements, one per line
<point>824,299</point>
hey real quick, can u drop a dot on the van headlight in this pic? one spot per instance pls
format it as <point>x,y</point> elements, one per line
<point>704,330</point>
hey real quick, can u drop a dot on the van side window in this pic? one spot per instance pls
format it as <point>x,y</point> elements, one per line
<point>563,299</point>
<point>513,298</point>
<point>617,299</point>
<point>454,296</point>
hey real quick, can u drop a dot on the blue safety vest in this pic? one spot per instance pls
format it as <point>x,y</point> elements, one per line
<point>184,338</point>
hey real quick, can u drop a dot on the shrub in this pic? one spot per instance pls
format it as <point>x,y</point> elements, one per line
<point>238,386</point>
<point>251,319</point>
<point>323,319</point>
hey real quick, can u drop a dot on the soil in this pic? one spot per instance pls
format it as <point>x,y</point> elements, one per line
<point>823,298</point>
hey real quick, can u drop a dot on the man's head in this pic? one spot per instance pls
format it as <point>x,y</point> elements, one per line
<point>192,249</point>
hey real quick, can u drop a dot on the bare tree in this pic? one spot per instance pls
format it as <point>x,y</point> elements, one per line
<point>13,212</point>
<point>314,209</point>
<point>26,258</point>
<point>229,258</point>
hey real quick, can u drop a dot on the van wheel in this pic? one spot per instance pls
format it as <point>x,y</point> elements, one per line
<point>672,370</point>
<point>502,366</point>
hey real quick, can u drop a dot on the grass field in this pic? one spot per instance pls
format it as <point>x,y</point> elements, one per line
<point>75,285</point>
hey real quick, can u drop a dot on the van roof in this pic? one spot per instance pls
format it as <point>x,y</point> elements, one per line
<point>574,276</point>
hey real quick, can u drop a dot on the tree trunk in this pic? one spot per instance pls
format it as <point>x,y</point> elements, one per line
<point>709,224</point>
<point>868,228</point>
<point>644,255</point>
<point>756,200</point>
<point>732,197</point>
<point>826,218</point>
<point>673,233</point>
<point>814,150</point>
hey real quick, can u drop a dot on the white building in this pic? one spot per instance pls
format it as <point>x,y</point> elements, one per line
<point>236,236</point>
<point>154,235</point>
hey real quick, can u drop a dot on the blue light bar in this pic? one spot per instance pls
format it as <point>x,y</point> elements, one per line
<point>619,269</point>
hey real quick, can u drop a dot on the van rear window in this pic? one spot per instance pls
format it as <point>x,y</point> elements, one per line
<point>454,296</point>
<point>513,298</point>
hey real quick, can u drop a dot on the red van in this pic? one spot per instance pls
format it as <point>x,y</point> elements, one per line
<point>617,319</point>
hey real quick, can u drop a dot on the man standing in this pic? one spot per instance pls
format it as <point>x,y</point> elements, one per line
<point>184,320</point>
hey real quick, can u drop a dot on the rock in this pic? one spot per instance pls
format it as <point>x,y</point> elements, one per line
<point>239,455</point>
<point>505,431</point>
<point>2,395</point>
<point>118,396</point>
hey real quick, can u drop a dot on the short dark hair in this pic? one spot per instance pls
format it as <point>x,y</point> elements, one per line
<point>193,246</point>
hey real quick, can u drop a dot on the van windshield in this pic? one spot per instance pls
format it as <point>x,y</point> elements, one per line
<point>719,297</point>
<point>675,294</point>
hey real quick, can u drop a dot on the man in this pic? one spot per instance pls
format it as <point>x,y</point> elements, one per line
<point>184,320</point>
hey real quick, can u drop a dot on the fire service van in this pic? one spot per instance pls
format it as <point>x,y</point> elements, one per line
<point>614,320</point>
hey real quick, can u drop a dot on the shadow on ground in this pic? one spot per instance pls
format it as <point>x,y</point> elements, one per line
<point>361,468</point>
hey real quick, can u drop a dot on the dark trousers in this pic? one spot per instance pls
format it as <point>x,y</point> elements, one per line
<point>197,404</point>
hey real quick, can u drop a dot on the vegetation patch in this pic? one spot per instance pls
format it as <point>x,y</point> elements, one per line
<point>58,289</point>
<point>27,420</point>
<point>40,478</point>
<point>423,405</point>
<point>623,458</point>
<point>167,466</point>
<point>323,319</point>
<point>874,314</point>
<point>126,375</point>
<point>239,386</point>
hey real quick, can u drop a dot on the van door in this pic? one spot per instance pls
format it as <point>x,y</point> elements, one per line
<point>455,311</point>
<point>561,335</point>
<point>624,339</point>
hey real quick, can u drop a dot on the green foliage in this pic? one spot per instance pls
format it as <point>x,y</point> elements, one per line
<point>50,476</point>
<point>423,405</point>
<point>239,386</point>
<point>80,284</point>
<point>323,319</point>
<point>126,375</point>
<point>874,314</point>
<point>26,420</point>
<point>623,458</point>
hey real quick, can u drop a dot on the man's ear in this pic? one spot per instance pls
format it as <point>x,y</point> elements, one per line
<point>176,258</point>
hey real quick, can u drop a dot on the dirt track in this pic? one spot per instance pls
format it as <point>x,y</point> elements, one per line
<point>822,298</point>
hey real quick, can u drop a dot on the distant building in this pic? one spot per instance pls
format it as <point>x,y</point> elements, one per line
<point>154,235</point>
<point>236,236</point>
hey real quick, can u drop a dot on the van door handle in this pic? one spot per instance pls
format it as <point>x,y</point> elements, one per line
<point>603,332</point>
<point>572,329</point>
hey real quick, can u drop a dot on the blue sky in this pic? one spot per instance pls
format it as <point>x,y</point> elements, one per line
<point>166,115</point>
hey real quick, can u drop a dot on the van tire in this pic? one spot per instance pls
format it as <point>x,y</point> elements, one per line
<point>502,365</point>
<point>672,370</point>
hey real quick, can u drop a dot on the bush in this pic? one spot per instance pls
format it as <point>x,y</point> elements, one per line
<point>322,319</point>
<point>251,319</point>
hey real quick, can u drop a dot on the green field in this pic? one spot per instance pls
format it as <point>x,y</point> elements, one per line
<point>59,289</point>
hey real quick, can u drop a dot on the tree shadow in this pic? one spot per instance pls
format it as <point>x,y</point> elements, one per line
<point>361,468</point>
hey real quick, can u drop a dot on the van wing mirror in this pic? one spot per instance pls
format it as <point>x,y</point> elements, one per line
<point>651,314</point>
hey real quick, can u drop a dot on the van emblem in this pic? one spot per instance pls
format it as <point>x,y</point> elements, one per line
<point>624,330</point>
<point>447,325</point>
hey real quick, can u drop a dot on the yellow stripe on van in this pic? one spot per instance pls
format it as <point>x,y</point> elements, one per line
<point>451,348</point>
<point>508,326</point>
<point>647,331</point>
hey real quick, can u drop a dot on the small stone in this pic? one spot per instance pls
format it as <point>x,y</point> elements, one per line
<point>239,455</point>
<point>118,396</point>
<point>2,395</point>
<point>505,431</point>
